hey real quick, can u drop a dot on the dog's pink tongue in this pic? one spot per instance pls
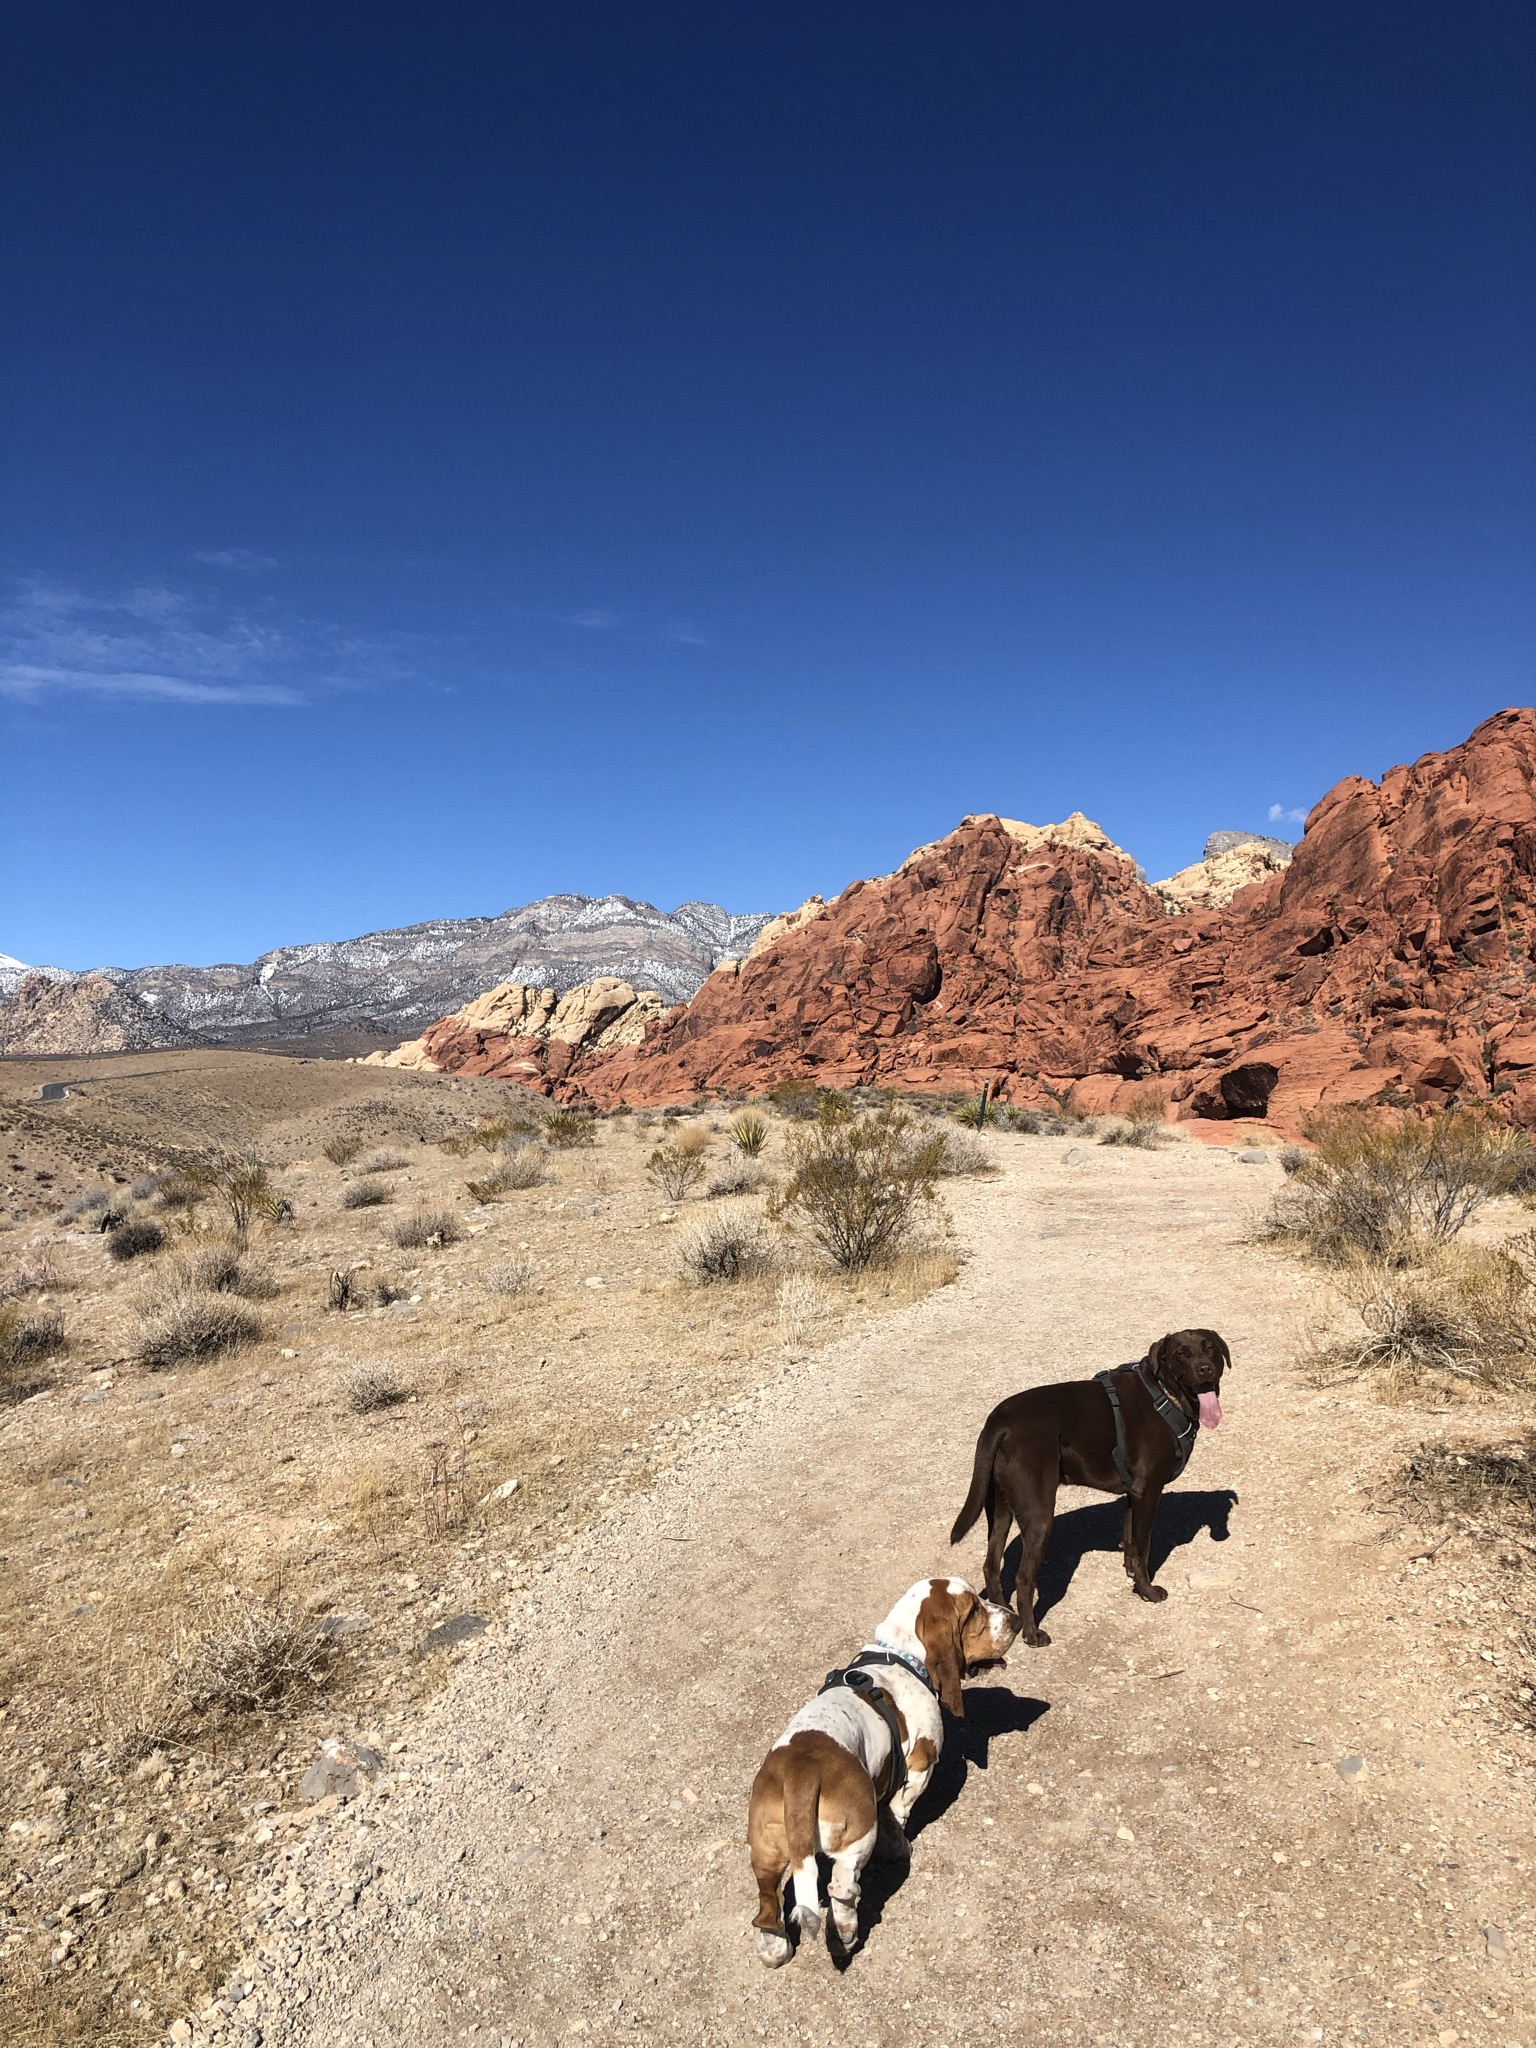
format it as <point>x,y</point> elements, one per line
<point>1210,1411</point>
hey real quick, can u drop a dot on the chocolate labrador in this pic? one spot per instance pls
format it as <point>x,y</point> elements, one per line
<point>1127,1431</point>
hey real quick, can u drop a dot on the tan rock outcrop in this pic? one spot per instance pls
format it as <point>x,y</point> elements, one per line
<point>1210,884</point>
<point>87,1014</point>
<point>511,1029</point>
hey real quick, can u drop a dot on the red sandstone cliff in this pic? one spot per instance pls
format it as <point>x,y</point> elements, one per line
<point>1391,961</point>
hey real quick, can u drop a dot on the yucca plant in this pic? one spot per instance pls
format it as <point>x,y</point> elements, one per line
<point>749,1134</point>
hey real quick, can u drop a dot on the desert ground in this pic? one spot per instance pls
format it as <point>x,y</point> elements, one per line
<point>388,1472</point>
<point>1292,1803</point>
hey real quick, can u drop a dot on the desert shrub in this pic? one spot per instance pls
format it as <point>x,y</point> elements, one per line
<point>387,1292</point>
<point>367,1194</point>
<point>385,1162</point>
<point>255,1654</point>
<point>341,1151</point>
<point>749,1134</point>
<point>739,1177</point>
<point>795,1098</point>
<point>856,1184</point>
<point>1462,1310</point>
<point>134,1239</point>
<point>727,1249</point>
<point>1385,1190</point>
<point>1038,1123</point>
<point>192,1327</point>
<point>1146,1137</point>
<point>375,1385</point>
<point>524,1166</point>
<point>220,1268</point>
<point>1293,1158</point>
<point>568,1127</point>
<point>25,1341</point>
<point>960,1153</point>
<point>511,1277</point>
<point>678,1166</point>
<point>241,1185</point>
<point>179,1195</point>
<point>145,1186</point>
<point>87,1203</point>
<point>426,1228</point>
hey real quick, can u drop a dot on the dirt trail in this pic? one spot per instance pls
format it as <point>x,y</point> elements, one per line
<point>1140,1834</point>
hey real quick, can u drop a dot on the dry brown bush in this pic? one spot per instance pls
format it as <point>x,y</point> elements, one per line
<point>1463,1311</point>
<point>375,1385</point>
<point>569,1127</point>
<point>39,1273</point>
<point>193,1327</point>
<point>367,1194</point>
<point>727,1248</point>
<point>510,1278</point>
<point>341,1151</point>
<point>134,1239</point>
<point>26,1340</point>
<point>249,1657</point>
<point>219,1267</point>
<point>964,1154</point>
<point>426,1228</point>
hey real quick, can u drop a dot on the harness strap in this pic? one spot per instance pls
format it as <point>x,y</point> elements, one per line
<point>1183,1431</point>
<point>860,1683</point>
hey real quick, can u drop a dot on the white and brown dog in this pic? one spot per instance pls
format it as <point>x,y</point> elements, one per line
<point>846,1773</point>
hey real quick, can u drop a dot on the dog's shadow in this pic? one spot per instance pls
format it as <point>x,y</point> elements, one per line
<point>1180,1519</point>
<point>990,1711</point>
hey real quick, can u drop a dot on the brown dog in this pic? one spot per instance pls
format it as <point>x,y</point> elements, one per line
<point>1128,1431</point>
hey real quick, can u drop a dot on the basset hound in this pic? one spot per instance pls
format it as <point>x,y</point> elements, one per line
<point>846,1773</point>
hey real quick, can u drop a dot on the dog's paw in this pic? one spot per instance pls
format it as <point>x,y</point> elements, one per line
<point>843,1932</point>
<point>1039,1640</point>
<point>1152,1593</point>
<point>808,1922</point>
<point>773,1950</point>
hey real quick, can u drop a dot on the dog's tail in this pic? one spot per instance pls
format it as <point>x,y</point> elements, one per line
<point>981,1481</point>
<point>802,1808</point>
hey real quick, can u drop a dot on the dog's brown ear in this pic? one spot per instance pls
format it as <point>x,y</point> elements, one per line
<point>940,1624</point>
<point>1223,1351</point>
<point>1155,1355</point>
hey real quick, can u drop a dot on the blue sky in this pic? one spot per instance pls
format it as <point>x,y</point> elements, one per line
<point>457,454</point>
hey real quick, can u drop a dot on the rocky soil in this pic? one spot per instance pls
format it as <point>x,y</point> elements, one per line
<point>1291,1804</point>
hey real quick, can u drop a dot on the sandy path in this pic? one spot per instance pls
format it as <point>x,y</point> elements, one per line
<point>1140,1834</point>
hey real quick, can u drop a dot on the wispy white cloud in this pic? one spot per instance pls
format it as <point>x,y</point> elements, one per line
<point>236,558</point>
<point>685,636</point>
<point>21,679</point>
<point>155,644</point>
<point>1279,815</point>
<point>594,621</point>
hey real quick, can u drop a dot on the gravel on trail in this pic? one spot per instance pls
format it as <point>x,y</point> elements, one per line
<point>1268,1810</point>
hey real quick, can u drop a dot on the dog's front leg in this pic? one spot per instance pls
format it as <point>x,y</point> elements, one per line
<point>1140,1514</point>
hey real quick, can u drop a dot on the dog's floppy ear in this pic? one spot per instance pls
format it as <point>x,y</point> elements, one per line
<point>1223,1352</point>
<point>940,1623</point>
<point>1155,1355</point>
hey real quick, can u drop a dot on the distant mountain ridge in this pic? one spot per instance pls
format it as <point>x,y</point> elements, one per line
<point>394,982</point>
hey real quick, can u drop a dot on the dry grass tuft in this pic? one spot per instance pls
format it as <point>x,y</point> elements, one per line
<point>569,1127</point>
<point>39,1273</point>
<point>1465,1312</point>
<point>255,1654</point>
<point>739,1177</point>
<point>510,1278</point>
<point>385,1162</point>
<point>341,1151</point>
<point>26,1340</point>
<point>805,1305</point>
<point>1490,1484</point>
<point>426,1229</point>
<point>220,1268</point>
<point>964,1154</point>
<point>373,1386</point>
<point>367,1194</point>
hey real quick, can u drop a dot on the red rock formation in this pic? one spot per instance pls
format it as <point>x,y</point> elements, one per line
<point>1390,962</point>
